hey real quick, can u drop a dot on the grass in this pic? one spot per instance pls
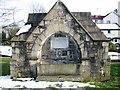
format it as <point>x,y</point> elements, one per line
<point>5,66</point>
<point>114,79</point>
<point>115,71</point>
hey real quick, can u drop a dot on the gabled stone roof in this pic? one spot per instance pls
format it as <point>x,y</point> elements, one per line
<point>83,18</point>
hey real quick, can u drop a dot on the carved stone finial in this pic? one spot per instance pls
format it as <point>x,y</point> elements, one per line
<point>58,0</point>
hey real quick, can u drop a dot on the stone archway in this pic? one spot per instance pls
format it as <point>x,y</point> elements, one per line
<point>47,33</point>
<point>60,48</point>
<point>52,68</point>
<point>56,66</point>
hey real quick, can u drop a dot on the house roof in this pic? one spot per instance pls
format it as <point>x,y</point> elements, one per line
<point>98,17</point>
<point>35,18</point>
<point>114,12</point>
<point>108,26</point>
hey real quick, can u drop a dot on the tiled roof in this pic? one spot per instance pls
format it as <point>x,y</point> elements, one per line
<point>108,26</point>
<point>35,18</point>
<point>98,17</point>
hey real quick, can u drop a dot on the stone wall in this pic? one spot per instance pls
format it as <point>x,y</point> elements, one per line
<point>73,72</point>
<point>19,65</point>
<point>28,49</point>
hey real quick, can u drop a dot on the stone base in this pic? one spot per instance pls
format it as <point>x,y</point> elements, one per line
<point>60,78</point>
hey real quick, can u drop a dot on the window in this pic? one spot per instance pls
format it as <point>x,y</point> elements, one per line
<point>109,37</point>
<point>109,31</point>
<point>115,40</point>
<point>108,21</point>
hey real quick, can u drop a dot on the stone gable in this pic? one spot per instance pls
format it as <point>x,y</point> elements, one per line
<point>61,44</point>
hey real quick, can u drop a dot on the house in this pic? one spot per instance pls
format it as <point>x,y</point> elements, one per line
<point>60,46</point>
<point>112,17</point>
<point>98,19</point>
<point>114,56</point>
<point>111,31</point>
<point>110,25</point>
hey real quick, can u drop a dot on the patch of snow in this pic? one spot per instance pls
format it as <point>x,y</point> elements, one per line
<point>25,79</point>
<point>114,55</point>
<point>5,77</point>
<point>25,28</point>
<point>6,82</point>
<point>6,50</point>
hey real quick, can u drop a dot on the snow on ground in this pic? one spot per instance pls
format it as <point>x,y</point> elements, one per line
<point>6,82</point>
<point>6,50</point>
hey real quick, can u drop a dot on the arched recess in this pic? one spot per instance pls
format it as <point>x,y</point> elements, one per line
<point>60,47</point>
<point>42,37</point>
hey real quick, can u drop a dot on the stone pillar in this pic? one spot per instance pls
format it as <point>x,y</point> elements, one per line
<point>19,65</point>
<point>106,60</point>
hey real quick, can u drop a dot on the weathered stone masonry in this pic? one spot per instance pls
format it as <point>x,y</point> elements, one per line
<point>61,45</point>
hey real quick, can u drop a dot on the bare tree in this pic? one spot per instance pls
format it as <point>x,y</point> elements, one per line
<point>8,24</point>
<point>37,8</point>
<point>9,32</point>
<point>7,13</point>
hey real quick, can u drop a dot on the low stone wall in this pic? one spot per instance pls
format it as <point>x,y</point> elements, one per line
<point>64,72</point>
<point>57,69</point>
<point>72,72</point>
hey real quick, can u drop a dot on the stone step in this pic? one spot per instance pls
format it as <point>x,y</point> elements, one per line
<point>60,78</point>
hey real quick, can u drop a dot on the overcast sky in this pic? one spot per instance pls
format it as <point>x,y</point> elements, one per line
<point>96,7</point>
